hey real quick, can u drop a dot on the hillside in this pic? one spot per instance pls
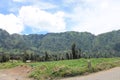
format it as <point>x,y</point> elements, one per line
<point>104,45</point>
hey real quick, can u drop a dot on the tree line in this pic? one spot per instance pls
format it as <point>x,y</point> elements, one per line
<point>73,54</point>
<point>58,46</point>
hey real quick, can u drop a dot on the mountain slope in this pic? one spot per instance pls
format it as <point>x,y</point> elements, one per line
<point>107,43</point>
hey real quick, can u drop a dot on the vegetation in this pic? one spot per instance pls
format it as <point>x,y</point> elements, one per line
<point>99,50</point>
<point>58,46</point>
<point>66,68</point>
<point>10,64</point>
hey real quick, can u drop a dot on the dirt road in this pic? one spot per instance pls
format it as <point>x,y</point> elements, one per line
<point>112,74</point>
<point>18,73</point>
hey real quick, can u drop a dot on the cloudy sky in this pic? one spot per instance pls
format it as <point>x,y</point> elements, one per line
<point>42,16</point>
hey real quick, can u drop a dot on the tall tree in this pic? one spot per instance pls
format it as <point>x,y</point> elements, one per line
<point>74,51</point>
<point>46,56</point>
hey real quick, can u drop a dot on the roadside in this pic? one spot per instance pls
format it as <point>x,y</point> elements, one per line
<point>112,74</point>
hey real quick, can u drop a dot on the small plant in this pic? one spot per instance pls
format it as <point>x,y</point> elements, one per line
<point>61,71</point>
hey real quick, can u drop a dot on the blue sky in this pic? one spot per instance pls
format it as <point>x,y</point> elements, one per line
<point>42,16</point>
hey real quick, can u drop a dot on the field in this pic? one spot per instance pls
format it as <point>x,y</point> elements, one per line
<point>65,68</point>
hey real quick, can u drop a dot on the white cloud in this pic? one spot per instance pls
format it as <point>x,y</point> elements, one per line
<point>11,23</point>
<point>98,16</point>
<point>41,20</point>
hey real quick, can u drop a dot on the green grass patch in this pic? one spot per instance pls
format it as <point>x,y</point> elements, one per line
<point>7,65</point>
<point>66,68</point>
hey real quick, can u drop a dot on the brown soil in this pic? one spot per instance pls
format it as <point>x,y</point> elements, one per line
<point>112,74</point>
<point>17,73</point>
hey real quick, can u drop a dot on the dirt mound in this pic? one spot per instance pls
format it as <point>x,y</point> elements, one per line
<point>21,70</point>
<point>17,73</point>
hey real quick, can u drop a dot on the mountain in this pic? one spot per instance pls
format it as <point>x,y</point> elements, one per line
<point>107,44</point>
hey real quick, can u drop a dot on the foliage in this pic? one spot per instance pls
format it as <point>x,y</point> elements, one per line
<point>10,64</point>
<point>65,68</point>
<point>58,45</point>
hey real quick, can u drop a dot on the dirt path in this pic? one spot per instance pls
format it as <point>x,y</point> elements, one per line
<point>112,74</point>
<point>18,73</point>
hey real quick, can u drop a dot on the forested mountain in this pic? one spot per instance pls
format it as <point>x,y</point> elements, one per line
<point>103,45</point>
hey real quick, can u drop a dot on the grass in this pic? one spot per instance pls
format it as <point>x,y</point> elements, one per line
<point>7,65</point>
<point>65,68</point>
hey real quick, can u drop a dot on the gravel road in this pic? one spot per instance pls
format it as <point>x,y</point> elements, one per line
<point>112,74</point>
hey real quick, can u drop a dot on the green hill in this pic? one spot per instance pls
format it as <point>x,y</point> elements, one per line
<point>104,45</point>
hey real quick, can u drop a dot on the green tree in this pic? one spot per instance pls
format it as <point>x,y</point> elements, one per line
<point>46,56</point>
<point>74,51</point>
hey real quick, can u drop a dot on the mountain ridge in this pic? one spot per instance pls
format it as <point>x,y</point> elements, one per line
<point>60,42</point>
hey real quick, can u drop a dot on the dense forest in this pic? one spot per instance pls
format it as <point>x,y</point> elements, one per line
<point>56,46</point>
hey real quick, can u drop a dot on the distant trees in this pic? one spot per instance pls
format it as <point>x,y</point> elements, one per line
<point>4,57</point>
<point>117,47</point>
<point>76,53</point>
<point>68,56</point>
<point>46,56</point>
<point>57,46</point>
